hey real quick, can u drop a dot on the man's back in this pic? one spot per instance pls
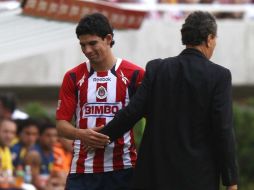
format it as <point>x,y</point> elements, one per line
<point>189,124</point>
<point>181,121</point>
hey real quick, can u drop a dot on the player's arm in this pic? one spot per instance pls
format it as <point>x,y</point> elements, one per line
<point>88,137</point>
<point>67,130</point>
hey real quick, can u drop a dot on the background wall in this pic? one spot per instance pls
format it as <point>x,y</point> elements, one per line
<point>41,51</point>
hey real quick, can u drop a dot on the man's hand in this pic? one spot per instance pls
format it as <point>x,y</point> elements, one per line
<point>91,138</point>
<point>233,187</point>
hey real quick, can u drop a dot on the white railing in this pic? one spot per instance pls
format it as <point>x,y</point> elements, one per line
<point>246,9</point>
<point>188,7</point>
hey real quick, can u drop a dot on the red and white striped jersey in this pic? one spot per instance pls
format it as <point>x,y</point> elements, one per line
<point>94,98</point>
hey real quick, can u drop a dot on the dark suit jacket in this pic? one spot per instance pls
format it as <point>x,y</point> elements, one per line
<point>188,142</point>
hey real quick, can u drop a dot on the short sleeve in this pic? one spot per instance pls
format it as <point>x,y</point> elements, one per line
<point>67,99</point>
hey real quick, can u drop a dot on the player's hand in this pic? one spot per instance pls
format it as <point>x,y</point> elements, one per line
<point>233,187</point>
<point>90,138</point>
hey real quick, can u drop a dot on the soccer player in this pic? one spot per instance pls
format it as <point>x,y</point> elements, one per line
<point>93,92</point>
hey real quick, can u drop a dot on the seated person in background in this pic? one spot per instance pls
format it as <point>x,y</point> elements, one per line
<point>56,181</point>
<point>8,107</point>
<point>123,1</point>
<point>7,134</point>
<point>62,152</point>
<point>41,157</point>
<point>28,133</point>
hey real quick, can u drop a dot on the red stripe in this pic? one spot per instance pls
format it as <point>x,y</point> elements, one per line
<point>82,153</point>
<point>83,125</point>
<point>132,149</point>
<point>118,154</point>
<point>98,162</point>
<point>102,73</point>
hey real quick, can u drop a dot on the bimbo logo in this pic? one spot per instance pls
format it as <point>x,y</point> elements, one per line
<point>101,109</point>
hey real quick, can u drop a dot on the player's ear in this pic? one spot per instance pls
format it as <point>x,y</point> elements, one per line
<point>108,39</point>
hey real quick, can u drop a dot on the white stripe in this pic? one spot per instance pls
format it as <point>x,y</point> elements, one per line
<point>126,154</point>
<point>89,162</point>
<point>111,88</point>
<point>108,157</point>
<point>76,145</point>
<point>127,139</point>
<point>108,154</point>
<point>76,149</point>
<point>88,66</point>
<point>91,98</point>
<point>91,121</point>
<point>127,97</point>
<point>118,63</point>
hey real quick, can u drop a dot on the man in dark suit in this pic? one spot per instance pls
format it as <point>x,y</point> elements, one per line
<point>188,143</point>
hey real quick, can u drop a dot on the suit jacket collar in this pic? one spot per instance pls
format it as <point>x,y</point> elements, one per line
<point>193,52</point>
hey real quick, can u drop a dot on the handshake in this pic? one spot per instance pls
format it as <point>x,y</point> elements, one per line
<point>91,138</point>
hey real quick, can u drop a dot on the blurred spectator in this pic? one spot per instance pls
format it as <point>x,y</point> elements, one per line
<point>190,1</point>
<point>56,181</point>
<point>149,1</point>
<point>28,133</point>
<point>122,1</point>
<point>62,155</point>
<point>62,159</point>
<point>8,107</point>
<point>180,14</point>
<point>7,134</point>
<point>168,1</point>
<point>231,15</point>
<point>206,1</point>
<point>41,157</point>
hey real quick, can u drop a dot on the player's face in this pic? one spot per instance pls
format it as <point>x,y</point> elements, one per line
<point>95,48</point>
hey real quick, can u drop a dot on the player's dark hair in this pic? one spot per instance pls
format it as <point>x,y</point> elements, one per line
<point>95,24</point>
<point>198,25</point>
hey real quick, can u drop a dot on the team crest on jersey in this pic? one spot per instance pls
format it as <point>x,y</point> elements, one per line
<point>101,92</point>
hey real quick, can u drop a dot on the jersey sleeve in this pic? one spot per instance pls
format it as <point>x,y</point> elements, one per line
<point>67,99</point>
